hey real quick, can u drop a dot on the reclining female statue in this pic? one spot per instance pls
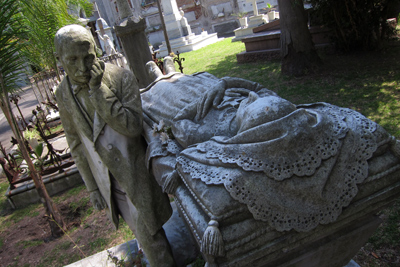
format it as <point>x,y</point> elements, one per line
<point>294,167</point>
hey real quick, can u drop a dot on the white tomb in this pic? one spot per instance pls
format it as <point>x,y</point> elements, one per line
<point>179,32</point>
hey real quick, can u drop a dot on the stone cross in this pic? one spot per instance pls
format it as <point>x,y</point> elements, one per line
<point>254,2</point>
<point>100,23</point>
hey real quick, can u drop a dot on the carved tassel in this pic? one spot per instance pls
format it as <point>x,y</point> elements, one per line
<point>171,183</point>
<point>212,242</point>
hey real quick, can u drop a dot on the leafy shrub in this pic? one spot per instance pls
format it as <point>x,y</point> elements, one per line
<point>356,25</point>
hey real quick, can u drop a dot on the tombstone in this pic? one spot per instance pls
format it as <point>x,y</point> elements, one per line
<point>253,22</point>
<point>134,42</point>
<point>262,182</point>
<point>179,32</point>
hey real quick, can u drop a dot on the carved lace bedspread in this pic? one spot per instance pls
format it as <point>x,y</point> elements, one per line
<point>294,172</point>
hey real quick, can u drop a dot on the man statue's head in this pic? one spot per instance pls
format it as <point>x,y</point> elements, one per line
<point>76,51</point>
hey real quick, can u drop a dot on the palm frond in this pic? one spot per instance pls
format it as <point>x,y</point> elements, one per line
<point>11,64</point>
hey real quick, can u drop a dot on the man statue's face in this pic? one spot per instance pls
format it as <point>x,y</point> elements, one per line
<point>77,59</point>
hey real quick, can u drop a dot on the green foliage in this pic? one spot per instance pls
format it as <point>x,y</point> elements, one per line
<point>11,64</point>
<point>86,5</point>
<point>114,259</point>
<point>357,25</point>
<point>42,19</point>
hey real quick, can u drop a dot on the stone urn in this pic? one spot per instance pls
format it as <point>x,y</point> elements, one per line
<point>243,22</point>
<point>272,15</point>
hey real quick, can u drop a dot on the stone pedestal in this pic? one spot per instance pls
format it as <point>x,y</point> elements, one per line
<point>136,48</point>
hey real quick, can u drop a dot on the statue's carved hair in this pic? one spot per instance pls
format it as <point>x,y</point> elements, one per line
<point>72,33</point>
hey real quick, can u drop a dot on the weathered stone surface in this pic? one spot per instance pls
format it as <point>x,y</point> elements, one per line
<point>263,182</point>
<point>101,113</point>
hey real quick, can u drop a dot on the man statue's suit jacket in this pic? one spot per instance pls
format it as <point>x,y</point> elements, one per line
<point>112,143</point>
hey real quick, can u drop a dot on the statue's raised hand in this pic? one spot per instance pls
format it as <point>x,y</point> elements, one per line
<point>96,74</point>
<point>97,200</point>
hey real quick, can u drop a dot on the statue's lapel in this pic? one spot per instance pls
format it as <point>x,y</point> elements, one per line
<point>76,113</point>
<point>98,125</point>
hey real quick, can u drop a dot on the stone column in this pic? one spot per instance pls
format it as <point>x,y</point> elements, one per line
<point>134,43</point>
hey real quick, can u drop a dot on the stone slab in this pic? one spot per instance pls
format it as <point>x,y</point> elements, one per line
<point>225,29</point>
<point>26,193</point>
<point>182,244</point>
<point>125,251</point>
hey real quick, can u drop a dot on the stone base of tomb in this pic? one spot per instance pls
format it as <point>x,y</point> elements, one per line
<point>188,43</point>
<point>26,193</point>
<point>228,235</point>
<point>264,43</point>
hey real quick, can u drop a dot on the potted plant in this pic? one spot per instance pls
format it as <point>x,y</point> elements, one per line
<point>242,16</point>
<point>272,14</point>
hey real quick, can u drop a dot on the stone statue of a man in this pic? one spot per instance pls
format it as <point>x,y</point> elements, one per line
<point>100,109</point>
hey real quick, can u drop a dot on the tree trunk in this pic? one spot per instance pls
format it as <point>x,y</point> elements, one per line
<point>55,220</point>
<point>299,56</point>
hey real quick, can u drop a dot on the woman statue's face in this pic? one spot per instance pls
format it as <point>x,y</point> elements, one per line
<point>256,110</point>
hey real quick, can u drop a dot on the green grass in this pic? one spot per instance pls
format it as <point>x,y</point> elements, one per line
<point>124,231</point>
<point>3,202</point>
<point>366,82</point>
<point>98,244</point>
<point>17,215</point>
<point>30,243</point>
<point>56,256</point>
<point>72,192</point>
<point>219,59</point>
<point>389,234</point>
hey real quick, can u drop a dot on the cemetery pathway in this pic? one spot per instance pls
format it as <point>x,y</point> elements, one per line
<point>27,103</point>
